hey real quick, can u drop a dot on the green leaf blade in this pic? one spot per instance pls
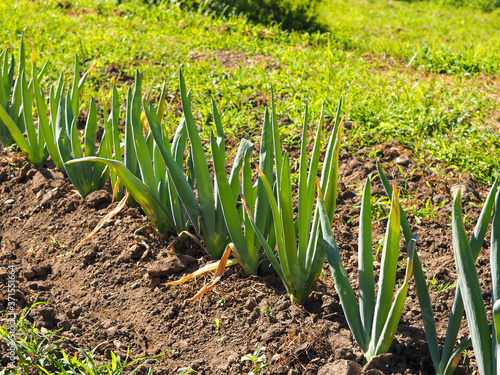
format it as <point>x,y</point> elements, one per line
<point>17,134</point>
<point>342,284</point>
<point>398,305</point>
<point>230,212</point>
<point>388,268</point>
<point>43,121</point>
<point>182,187</point>
<point>365,262</point>
<point>495,250</point>
<point>471,291</point>
<point>139,191</point>
<point>204,182</point>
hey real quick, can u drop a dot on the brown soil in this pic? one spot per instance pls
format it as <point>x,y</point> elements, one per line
<point>111,289</point>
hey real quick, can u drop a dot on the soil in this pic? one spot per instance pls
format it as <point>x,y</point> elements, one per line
<point>111,291</point>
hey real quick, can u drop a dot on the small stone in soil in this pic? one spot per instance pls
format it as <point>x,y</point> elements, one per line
<point>38,182</point>
<point>166,266</point>
<point>50,196</point>
<point>98,198</point>
<point>341,367</point>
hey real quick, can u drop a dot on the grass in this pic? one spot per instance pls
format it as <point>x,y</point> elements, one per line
<point>439,37</point>
<point>427,85</point>
<point>424,74</point>
<point>437,287</point>
<point>39,351</point>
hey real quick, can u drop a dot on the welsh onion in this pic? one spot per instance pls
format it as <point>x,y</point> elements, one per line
<point>247,248</point>
<point>89,176</point>
<point>33,146</point>
<point>143,172</point>
<point>114,144</point>
<point>45,126</point>
<point>10,94</point>
<point>46,134</point>
<point>444,361</point>
<point>16,114</point>
<point>205,212</point>
<point>6,82</point>
<point>62,136</point>
<point>300,262</point>
<point>48,124</point>
<point>373,323</point>
<point>486,341</point>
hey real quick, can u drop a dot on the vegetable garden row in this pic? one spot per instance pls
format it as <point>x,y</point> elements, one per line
<point>248,217</point>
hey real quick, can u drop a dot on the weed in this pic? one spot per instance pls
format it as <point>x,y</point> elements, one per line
<point>427,212</point>
<point>174,352</point>
<point>268,313</point>
<point>380,246</point>
<point>259,360</point>
<point>444,287</point>
<point>38,351</point>
<point>380,209</point>
<point>438,287</point>
<point>186,370</point>
<point>217,327</point>
<point>55,243</point>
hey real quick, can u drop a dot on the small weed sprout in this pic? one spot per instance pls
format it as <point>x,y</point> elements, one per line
<point>444,287</point>
<point>55,243</point>
<point>432,282</point>
<point>259,360</point>
<point>439,287</point>
<point>186,370</point>
<point>268,313</point>
<point>217,327</point>
<point>221,302</point>
<point>63,255</point>
<point>173,352</point>
<point>323,275</point>
<point>380,246</point>
<point>427,212</point>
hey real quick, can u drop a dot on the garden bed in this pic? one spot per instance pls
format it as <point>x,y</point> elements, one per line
<point>112,288</point>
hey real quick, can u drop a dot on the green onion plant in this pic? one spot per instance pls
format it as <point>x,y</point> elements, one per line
<point>204,209</point>
<point>59,124</point>
<point>247,248</point>
<point>298,262</point>
<point>485,340</point>
<point>16,108</point>
<point>62,129</point>
<point>10,94</point>
<point>33,146</point>
<point>89,176</point>
<point>112,127</point>
<point>446,359</point>
<point>374,321</point>
<point>6,89</point>
<point>142,170</point>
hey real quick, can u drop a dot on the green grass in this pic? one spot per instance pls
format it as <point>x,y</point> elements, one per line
<point>423,84</point>
<point>443,38</point>
<point>39,352</point>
